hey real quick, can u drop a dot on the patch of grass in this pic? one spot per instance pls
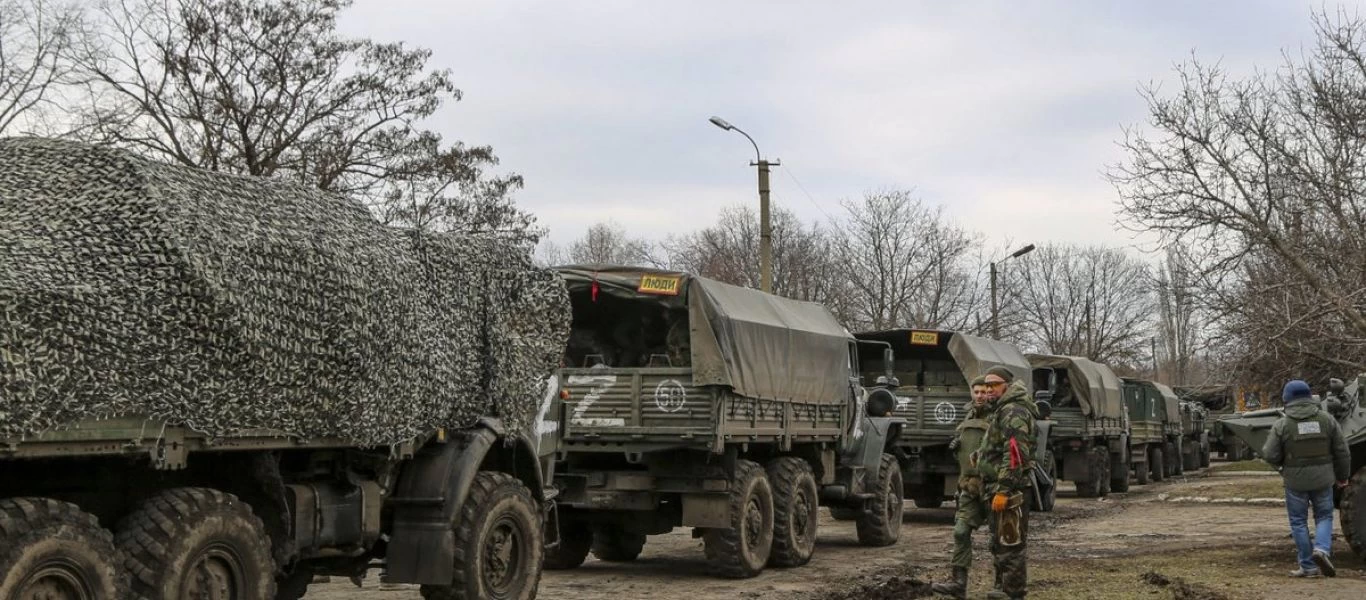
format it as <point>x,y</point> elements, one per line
<point>1255,464</point>
<point>1208,574</point>
<point>1261,487</point>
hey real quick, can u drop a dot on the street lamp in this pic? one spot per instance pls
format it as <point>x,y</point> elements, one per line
<point>995,316</point>
<point>765,228</point>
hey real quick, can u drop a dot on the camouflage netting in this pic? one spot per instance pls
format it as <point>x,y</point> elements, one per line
<point>131,287</point>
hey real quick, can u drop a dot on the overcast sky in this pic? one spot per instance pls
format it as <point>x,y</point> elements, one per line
<point>1004,112</point>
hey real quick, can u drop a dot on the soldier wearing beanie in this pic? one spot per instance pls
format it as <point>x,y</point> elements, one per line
<point>1307,447</point>
<point>1006,461</point>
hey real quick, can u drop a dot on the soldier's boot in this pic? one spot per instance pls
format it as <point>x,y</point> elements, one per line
<point>958,588</point>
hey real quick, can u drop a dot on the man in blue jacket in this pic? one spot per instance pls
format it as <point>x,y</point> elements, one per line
<point>1307,446</point>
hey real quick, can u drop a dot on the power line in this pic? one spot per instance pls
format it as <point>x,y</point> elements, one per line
<point>788,169</point>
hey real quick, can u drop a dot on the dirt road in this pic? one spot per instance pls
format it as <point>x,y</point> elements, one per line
<point>1124,546</point>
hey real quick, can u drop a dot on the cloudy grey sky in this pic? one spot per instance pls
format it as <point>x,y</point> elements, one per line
<point>1004,112</point>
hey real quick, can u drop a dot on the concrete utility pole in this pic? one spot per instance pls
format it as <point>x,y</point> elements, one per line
<point>995,315</point>
<point>765,226</point>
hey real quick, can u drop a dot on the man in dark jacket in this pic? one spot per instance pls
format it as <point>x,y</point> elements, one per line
<point>972,509</point>
<point>1307,446</point>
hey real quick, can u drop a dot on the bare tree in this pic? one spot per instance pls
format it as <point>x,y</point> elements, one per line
<point>1085,301</point>
<point>803,265</point>
<point>905,264</point>
<point>606,243</point>
<point>269,88</point>
<point>1265,179</point>
<point>1179,319</point>
<point>34,39</point>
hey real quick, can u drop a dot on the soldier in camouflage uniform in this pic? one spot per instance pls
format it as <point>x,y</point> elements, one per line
<point>1005,461</point>
<point>972,510</point>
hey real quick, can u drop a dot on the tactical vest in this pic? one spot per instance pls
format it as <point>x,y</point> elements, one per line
<point>970,434</point>
<point>1307,443</point>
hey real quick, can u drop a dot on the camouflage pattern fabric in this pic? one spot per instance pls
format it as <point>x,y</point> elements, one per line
<point>1010,561</point>
<point>1012,417</point>
<point>130,287</point>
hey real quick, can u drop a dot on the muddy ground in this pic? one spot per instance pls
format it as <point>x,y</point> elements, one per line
<point>1134,545</point>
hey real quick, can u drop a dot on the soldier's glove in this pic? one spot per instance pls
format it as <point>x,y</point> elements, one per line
<point>999,502</point>
<point>972,486</point>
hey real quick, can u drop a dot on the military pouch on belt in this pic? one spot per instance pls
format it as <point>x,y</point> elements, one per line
<point>970,485</point>
<point>1008,528</point>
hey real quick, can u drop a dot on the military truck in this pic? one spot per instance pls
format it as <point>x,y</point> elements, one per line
<point>1254,426</point>
<point>209,388</point>
<point>690,402</point>
<point>1088,427</point>
<point>933,369</point>
<point>1154,429</point>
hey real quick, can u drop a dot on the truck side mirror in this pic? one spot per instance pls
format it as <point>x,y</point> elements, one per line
<point>889,363</point>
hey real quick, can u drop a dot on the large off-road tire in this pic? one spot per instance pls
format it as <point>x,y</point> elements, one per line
<point>840,513</point>
<point>498,545</point>
<point>742,550</point>
<point>796,510</point>
<point>1119,474</point>
<point>928,501</point>
<point>611,543</point>
<point>881,525</point>
<point>52,549</point>
<point>576,538</point>
<point>197,543</point>
<point>1353,510</point>
<point>1179,458</point>
<point>1157,463</point>
<point>1048,498</point>
<point>1098,465</point>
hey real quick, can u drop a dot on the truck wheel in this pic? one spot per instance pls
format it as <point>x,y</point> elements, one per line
<point>611,543</point>
<point>1119,474</point>
<point>576,538</point>
<point>498,546</point>
<point>1048,497</point>
<point>1204,454</point>
<point>742,550</point>
<point>796,510</point>
<point>1143,470</point>
<point>197,543</point>
<point>1156,464</point>
<point>52,549</point>
<point>1353,511</point>
<point>928,501</point>
<point>840,513</point>
<point>1173,460</point>
<point>881,525</point>
<point>1098,482</point>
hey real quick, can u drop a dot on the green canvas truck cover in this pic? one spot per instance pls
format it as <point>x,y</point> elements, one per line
<point>760,345</point>
<point>973,354</point>
<point>1170,401</point>
<point>1097,387</point>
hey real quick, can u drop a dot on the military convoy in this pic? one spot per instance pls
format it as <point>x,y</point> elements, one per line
<point>1253,427</point>
<point>691,402</point>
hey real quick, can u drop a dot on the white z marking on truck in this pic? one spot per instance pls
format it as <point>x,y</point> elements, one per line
<point>600,384</point>
<point>544,425</point>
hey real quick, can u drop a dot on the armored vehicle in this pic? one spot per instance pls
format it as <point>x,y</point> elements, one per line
<point>215,386</point>
<point>1154,429</point>
<point>933,369</point>
<point>1088,427</point>
<point>1253,427</point>
<point>691,402</point>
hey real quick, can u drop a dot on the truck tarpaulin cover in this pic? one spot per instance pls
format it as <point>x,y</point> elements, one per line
<point>1172,403</point>
<point>760,345</point>
<point>130,287</point>
<point>1098,389</point>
